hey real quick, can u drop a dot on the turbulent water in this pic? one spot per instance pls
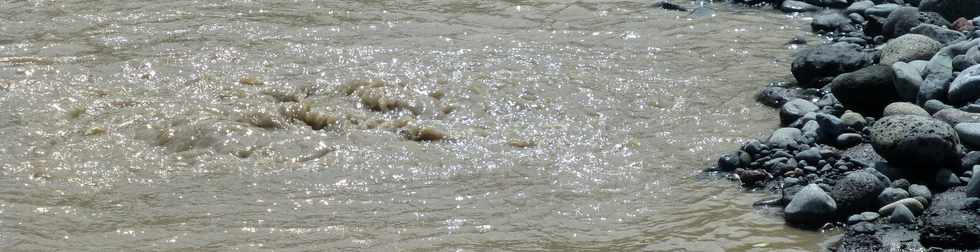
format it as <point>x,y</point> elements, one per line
<point>302,125</point>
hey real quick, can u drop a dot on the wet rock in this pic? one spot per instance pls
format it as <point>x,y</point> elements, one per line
<point>954,116</point>
<point>946,179</point>
<point>904,108</point>
<point>811,205</point>
<point>668,6</point>
<point>847,140</point>
<point>785,137</point>
<point>915,142</point>
<point>811,130</point>
<point>853,120</point>
<point>815,67</point>
<point>920,191</point>
<point>752,177</point>
<point>859,6</point>
<point>427,134</point>
<point>811,156</point>
<point>907,80</point>
<point>881,10</point>
<point>950,229</point>
<point>900,21</point>
<point>913,205</point>
<point>866,91</point>
<point>776,96</point>
<point>862,217</point>
<point>857,192</point>
<point>973,187</point>
<point>794,109</point>
<point>797,6</point>
<point>857,19</point>
<point>937,33</point>
<point>907,48</point>
<point>935,86</point>
<point>901,184</point>
<point>969,133</point>
<point>890,195</point>
<point>952,9</point>
<point>830,128</point>
<point>961,62</point>
<point>902,215</point>
<point>831,21</point>
<point>966,86</point>
<point>731,161</point>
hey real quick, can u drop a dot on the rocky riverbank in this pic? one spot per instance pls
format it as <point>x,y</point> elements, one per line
<point>881,132</point>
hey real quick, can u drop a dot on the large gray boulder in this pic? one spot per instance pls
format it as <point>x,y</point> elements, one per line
<point>918,144</point>
<point>811,205</point>
<point>909,47</point>
<point>866,91</point>
<point>966,86</point>
<point>857,192</point>
<point>815,67</point>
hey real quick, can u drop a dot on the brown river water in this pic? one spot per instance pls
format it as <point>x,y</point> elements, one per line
<point>291,126</point>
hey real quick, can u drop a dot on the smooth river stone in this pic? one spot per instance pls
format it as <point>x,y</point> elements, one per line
<point>969,133</point>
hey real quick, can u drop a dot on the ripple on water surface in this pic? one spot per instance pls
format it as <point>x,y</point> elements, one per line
<point>305,125</point>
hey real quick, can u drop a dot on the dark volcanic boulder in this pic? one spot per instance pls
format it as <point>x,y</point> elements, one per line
<point>920,145</point>
<point>815,67</point>
<point>866,91</point>
<point>953,9</point>
<point>857,192</point>
<point>901,21</point>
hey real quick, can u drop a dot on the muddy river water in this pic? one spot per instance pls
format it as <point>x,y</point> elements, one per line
<point>305,125</point>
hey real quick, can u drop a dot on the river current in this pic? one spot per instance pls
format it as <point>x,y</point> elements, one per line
<point>304,125</point>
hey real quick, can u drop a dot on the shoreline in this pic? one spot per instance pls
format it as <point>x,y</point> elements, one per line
<point>879,134</point>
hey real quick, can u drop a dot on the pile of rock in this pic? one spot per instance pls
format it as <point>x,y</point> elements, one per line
<point>881,117</point>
